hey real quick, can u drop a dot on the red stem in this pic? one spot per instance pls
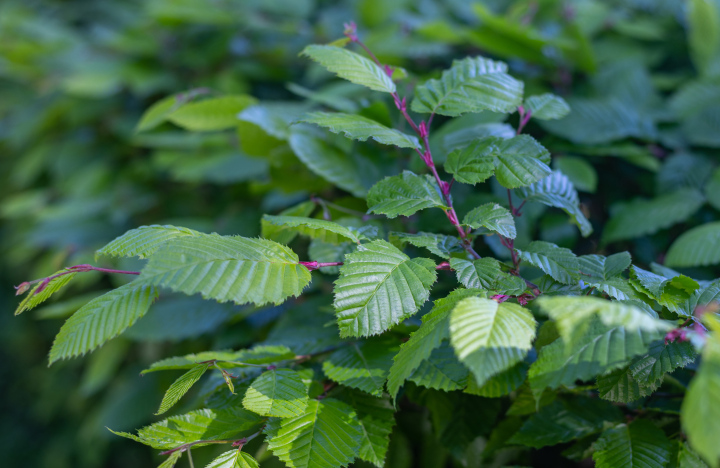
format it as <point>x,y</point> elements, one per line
<point>77,269</point>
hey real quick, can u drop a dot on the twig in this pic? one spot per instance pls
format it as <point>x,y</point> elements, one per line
<point>22,287</point>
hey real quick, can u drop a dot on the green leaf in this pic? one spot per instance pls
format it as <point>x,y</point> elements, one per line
<point>700,246</point>
<point>558,262</point>
<point>486,273</point>
<point>566,420</point>
<point>279,393</point>
<point>320,229</point>
<point>639,444</point>
<point>361,128</point>
<point>594,268</point>
<point>489,337</point>
<point>516,161</point>
<point>364,365</point>
<point>378,287</point>
<point>171,460</point>
<point>439,244</point>
<point>685,457</point>
<point>34,298</point>
<point>404,195</point>
<point>493,217</point>
<point>641,217</point>
<point>228,269</point>
<point>327,253</point>
<point>581,173</point>
<point>473,84</point>
<point>435,329</point>
<point>547,106</point>
<point>103,318</point>
<point>234,459</point>
<point>205,424</point>
<point>703,17</point>
<point>500,384</point>
<point>280,234</point>
<point>351,66</point>
<point>441,371</point>
<point>621,386</point>
<point>672,293</point>
<point>662,358</point>
<point>257,355</point>
<point>181,386</point>
<point>144,241</point>
<point>159,111</point>
<point>327,435</point>
<point>557,190</point>
<point>211,114</point>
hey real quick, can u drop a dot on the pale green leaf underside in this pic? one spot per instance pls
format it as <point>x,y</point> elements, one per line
<point>33,300</point>
<point>364,365</point>
<point>404,195</point>
<point>234,459</point>
<point>638,445</point>
<point>320,229</point>
<point>278,393</point>
<point>351,66</point>
<point>361,128</point>
<point>378,287</point>
<point>181,386</point>
<point>699,246</point>
<point>223,268</point>
<point>547,107</point>
<point>144,241</point>
<point>103,318</point>
<point>493,217</point>
<point>558,262</point>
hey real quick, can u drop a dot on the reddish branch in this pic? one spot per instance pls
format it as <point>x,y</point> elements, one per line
<point>22,287</point>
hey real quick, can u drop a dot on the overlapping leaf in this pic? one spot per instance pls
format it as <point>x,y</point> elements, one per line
<point>493,217</point>
<point>441,371</point>
<point>181,386</point>
<point>486,273</point>
<point>363,365</point>
<point>547,106</point>
<point>361,128</point>
<point>377,418</point>
<point>320,229</point>
<point>257,355</point>
<point>699,246</point>
<point>638,444</point>
<point>210,114</point>
<point>558,262</point>
<point>234,459</point>
<point>278,393</point>
<point>34,298</point>
<point>404,195</point>
<point>351,66</point>
<point>144,241</point>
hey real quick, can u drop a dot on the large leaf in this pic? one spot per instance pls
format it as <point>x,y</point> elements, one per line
<point>489,337</point>
<point>435,329</point>
<point>181,386</point>
<point>547,107</point>
<point>144,241</point>
<point>557,190</point>
<point>673,293</point>
<point>378,287</point>
<point>351,66</point>
<point>278,393</point>
<point>103,318</point>
<point>364,365</point>
<point>211,114</point>
<point>234,459</point>
<point>639,444</point>
<point>516,161</point>
<point>641,217</point>
<point>473,84</point>
<point>228,269</point>
<point>35,298</point>
<point>558,262</point>
<point>327,435</point>
<point>699,246</point>
<point>493,217</point>
<point>486,273</point>
<point>320,229</point>
<point>377,418</point>
<point>404,195</point>
<point>439,244</point>
<point>361,128</point>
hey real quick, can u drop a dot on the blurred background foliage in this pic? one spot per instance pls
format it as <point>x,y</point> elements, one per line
<point>642,78</point>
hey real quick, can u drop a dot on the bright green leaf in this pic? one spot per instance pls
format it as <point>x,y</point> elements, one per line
<point>547,107</point>
<point>493,217</point>
<point>351,66</point>
<point>142,242</point>
<point>638,444</point>
<point>181,386</point>
<point>361,128</point>
<point>279,393</point>
<point>404,195</point>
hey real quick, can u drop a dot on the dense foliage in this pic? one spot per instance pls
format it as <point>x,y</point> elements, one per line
<point>456,235</point>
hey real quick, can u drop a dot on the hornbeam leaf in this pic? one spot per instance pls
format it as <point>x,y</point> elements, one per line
<point>662,358</point>
<point>547,107</point>
<point>34,299</point>
<point>144,241</point>
<point>435,329</point>
<point>686,457</point>
<point>181,386</point>
<point>351,66</point>
<point>700,246</point>
<point>171,460</point>
<point>500,384</point>
<point>211,114</point>
<point>257,355</point>
<point>639,444</point>
<point>320,229</point>
<point>361,128</point>
<point>473,84</point>
<point>493,217</point>
<point>228,269</point>
<point>489,337</point>
<point>364,365</point>
<point>327,435</point>
<point>486,273</point>
<point>280,234</point>
<point>621,386</point>
<point>103,318</point>
<point>234,459</point>
<point>404,195</point>
<point>558,262</point>
<point>279,393</point>
<point>441,371</point>
<point>557,190</point>
<point>378,287</point>
<point>598,268</point>
<point>439,244</point>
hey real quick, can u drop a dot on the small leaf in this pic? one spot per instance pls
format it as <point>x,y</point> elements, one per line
<point>493,217</point>
<point>404,195</point>
<point>320,229</point>
<point>639,444</point>
<point>171,460</point>
<point>547,107</point>
<point>361,128</point>
<point>234,459</point>
<point>34,298</point>
<point>211,114</point>
<point>558,262</point>
<point>598,268</point>
<point>258,355</point>
<point>181,386</point>
<point>279,393</point>
<point>351,66</point>
<point>144,241</point>
<point>486,273</point>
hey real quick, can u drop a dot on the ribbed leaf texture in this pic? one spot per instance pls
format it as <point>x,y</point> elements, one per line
<point>558,191</point>
<point>439,244</point>
<point>181,386</point>
<point>486,273</point>
<point>279,393</point>
<point>378,287</point>
<point>361,128</point>
<point>228,269</point>
<point>404,195</point>
<point>327,435</point>
<point>257,355</point>
<point>363,365</point>
<point>673,293</point>
<point>662,358</point>
<point>435,329</point>
<point>211,114</point>
<point>489,337</point>
<point>700,246</point>
<point>320,229</point>
<point>103,318</point>
<point>441,371</point>
<point>234,459</point>
<point>686,457</point>
<point>473,84</point>
<point>351,66</point>
<point>597,268</point>
<point>144,241</point>
<point>516,161</point>
<point>205,424</point>
<point>641,217</point>
<point>547,107</point>
<point>621,386</point>
<point>639,444</point>
<point>558,262</point>
<point>492,217</point>
<point>500,384</point>
<point>34,299</point>
<point>281,234</point>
